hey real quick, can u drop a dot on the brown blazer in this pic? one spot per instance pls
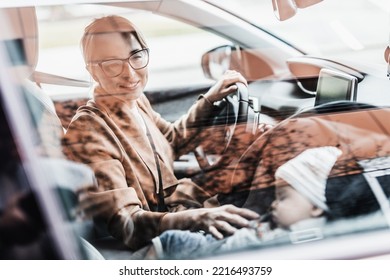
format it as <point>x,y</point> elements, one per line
<point>116,147</point>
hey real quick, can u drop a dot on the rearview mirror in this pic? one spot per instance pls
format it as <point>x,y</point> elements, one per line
<point>216,61</point>
<point>306,3</point>
<point>285,9</point>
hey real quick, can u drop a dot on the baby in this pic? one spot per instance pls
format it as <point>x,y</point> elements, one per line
<point>300,204</point>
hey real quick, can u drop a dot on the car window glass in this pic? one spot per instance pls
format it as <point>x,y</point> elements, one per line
<point>349,29</point>
<point>22,225</point>
<point>175,48</point>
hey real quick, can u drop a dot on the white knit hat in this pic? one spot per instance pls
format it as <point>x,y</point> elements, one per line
<point>309,171</point>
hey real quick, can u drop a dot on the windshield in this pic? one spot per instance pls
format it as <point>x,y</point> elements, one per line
<point>339,29</point>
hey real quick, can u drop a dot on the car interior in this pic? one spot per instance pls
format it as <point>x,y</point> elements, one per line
<point>287,101</point>
<point>64,177</point>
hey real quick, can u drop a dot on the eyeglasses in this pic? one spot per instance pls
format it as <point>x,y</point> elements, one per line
<point>114,67</point>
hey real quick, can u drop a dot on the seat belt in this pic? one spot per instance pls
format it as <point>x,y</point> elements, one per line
<point>161,207</point>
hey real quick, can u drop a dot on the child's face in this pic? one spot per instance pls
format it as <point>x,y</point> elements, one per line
<point>290,206</point>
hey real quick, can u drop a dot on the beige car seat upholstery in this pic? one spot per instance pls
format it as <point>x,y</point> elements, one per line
<point>22,38</point>
<point>66,177</point>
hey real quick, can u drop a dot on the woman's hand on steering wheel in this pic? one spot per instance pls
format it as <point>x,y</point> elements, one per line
<point>231,111</point>
<point>225,85</point>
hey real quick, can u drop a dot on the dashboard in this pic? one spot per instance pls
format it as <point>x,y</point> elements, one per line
<point>280,98</point>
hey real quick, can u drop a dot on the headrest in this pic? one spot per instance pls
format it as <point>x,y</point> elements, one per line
<point>22,32</point>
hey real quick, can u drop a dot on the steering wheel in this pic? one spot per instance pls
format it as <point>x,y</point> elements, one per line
<point>234,109</point>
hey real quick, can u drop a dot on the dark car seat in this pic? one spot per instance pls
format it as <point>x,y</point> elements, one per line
<point>361,131</point>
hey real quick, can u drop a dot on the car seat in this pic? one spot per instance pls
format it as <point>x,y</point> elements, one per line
<point>21,37</point>
<point>361,131</point>
<point>66,177</point>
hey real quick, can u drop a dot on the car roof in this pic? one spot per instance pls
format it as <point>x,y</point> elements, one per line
<point>27,3</point>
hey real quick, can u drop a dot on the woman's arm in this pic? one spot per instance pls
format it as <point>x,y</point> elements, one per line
<point>184,133</point>
<point>219,221</point>
<point>88,140</point>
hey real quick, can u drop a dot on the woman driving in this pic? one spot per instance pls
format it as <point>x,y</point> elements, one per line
<point>131,148</point>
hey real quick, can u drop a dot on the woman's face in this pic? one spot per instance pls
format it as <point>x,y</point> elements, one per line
<point>129,84</point>
<point>290,206</point>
